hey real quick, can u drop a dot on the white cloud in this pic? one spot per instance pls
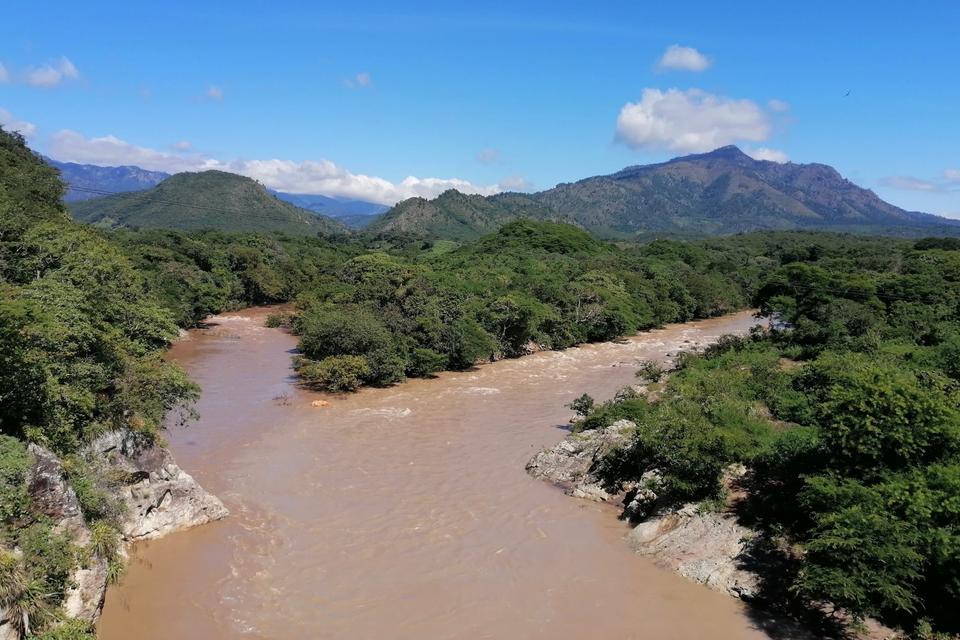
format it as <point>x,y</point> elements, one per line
<point>214,92</point>
<point>689,121</point>
<point>780,106</point>
<point>311,176</point>
<point>677,58</point>
<point>71,146</point>
<point>488,156</point>
<point>4,74</point>
<point>183,145</point>
<point>908,183</point>
<point>12,123</point>
<point>765,153</point>
<point>951,175</point>
<point>359,81</point>
<point>50,75</point>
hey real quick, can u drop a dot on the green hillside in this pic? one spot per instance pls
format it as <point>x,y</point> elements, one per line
<point>206,200</point>
<point>457,216</point>
<point>717,193</point>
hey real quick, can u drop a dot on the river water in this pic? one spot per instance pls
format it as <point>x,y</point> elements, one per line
<point>402,512</point>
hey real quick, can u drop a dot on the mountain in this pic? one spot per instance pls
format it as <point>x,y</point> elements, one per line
<point>724,191</point>
<point>458,216</point>
<point>356,214</point>
<point>90,181</point>
<point>205,200</point>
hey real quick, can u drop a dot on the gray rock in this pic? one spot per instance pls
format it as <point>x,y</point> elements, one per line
<point>709,548</point>
<point>571,462</point>
<point>162,498</point>
<point>158,498</point>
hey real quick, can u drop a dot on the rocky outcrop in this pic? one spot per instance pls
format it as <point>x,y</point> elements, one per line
<point>710,548</point>
<point>161,497</point>
<point>572,462</point>
<point>157,497</point>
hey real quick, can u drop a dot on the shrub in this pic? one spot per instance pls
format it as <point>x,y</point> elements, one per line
<point>336,373</point>
<point>582,405</point>
<point>651,371</point>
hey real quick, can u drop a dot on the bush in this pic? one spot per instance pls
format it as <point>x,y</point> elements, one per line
<point>336,373</point>
<point>424,362</point>
<point>651,371</point>
<point>582,405</point>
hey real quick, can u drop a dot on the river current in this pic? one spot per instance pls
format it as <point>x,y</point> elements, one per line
<point>405,512</point>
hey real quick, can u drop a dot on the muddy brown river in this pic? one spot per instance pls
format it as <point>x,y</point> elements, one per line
<point>402,512</point>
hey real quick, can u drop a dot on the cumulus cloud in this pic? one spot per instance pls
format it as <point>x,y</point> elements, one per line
<point>50,75</point>
<point>488,156</point>
<point>765,153</point>
<point>689,121</point>
<point>12,123</point>
<point>310,176</point>
<point>359,81</point>
<point>214,93</point>
<point>780,106</point>
<point>677,58</point>
<point>4,74</point>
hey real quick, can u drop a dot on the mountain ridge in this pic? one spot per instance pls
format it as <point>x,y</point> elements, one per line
<point>720,192</point>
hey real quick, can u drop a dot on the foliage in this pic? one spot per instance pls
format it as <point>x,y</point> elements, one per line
<point>848,414</point>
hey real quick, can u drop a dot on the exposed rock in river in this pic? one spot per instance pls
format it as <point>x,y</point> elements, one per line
<point>709,548</point>
<point>162,497</point>
<point>157,497</point>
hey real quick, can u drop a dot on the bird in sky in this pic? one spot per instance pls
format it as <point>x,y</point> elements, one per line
<point>847,94</point>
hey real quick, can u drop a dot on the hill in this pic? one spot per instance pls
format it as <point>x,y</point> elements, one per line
<point>86,180</point>
<point>721,192</point>
<point>205,200</point>
<point>457,216</point>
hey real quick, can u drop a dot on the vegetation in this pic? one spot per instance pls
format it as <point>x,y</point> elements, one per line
<point>848,416</point>
<point>721,192</point>
<point>205,200</point>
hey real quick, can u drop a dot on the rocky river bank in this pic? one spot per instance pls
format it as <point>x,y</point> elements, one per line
<point>155,497</point>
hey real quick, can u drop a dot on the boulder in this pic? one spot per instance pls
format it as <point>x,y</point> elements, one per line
<point>709,548</point>
<point>161,497</point>
<point>571,463</point>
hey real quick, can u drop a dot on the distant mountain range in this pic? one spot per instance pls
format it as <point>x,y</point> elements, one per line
<point>721,192</point>
<point>353,213</point>
<point>724,191</point>
<point>205,200</point>
<point>88,181</point>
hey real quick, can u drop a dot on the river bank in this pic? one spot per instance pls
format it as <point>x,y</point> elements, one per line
<point>401,512</point>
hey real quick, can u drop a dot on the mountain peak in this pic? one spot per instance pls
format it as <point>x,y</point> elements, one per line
<point>730,153</point>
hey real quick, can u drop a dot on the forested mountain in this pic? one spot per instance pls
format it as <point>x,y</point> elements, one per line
<point>457,216</point>
<point>205,200</point>
<point>87,181</point>
<point>721,192</point>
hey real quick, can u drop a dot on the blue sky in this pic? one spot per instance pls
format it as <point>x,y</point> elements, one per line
<point>352,99</point>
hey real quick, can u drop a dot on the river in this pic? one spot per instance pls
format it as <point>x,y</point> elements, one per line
<point>402,512</point>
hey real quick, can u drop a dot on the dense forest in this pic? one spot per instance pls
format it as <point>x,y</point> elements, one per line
<point>846,414</point>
